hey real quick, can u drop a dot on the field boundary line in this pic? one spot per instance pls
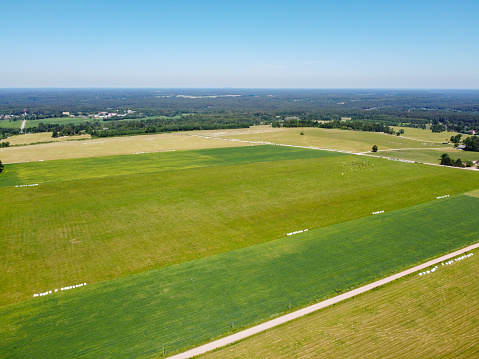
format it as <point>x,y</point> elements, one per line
<point>313,308</point>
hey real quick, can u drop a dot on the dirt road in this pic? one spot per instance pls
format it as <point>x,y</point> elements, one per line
<point>23,126</point>
<point>299,313</point>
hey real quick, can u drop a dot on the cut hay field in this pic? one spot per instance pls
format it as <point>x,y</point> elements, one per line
<point>186,304</point>
<point>426,135</point>
<point>433,316</point>
<point>96,229</point>
<point>345,140</point>
<point>430,155</point>
<point>108,147</point>
<point>42,137</point>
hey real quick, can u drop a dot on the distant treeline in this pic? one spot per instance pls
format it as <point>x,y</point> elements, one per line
<point>114,128</point>
<point>191,109</point>
<point>350,125</point>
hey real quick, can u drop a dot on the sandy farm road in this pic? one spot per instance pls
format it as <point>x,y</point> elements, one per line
<point>22,127</point>
<point>326,303</point>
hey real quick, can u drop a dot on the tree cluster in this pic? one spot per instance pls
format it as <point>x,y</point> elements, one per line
<point>456,139</point>
<point>472,143</point>
<point>448,161</point>
<point>346,125</point>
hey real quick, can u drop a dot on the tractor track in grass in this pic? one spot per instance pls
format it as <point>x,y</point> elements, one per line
<point>315,307</point>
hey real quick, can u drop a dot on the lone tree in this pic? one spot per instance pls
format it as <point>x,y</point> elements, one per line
<point>1,166</point>
<point>375,148</point>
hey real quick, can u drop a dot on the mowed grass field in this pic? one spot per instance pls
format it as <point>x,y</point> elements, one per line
<point>71,148</point>
<point>111,166</point>
<point>10,124</point>
<point>345,140</point>
<point>430,155</point>
<point>426,134</point>
<point>34,138</point>
<point>96,229</point>
<point>186,304</point>
<point>433,316</point>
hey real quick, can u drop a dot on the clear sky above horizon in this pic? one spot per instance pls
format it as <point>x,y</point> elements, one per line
<point>243,44</point>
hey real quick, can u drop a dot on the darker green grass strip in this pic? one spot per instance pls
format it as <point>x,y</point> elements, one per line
<point>97,167</point>
<point>185,304</point>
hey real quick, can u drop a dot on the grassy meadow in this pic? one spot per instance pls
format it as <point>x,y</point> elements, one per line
<point>426,135</point>
<point>96,229</point>
<point>10,124</point>
<point>345,140</point>
<point>430,155</point>
<point>186,304</point>
<point>179,235</point>
<point>111,166</point>
<point>433,316</point>
<point>59,120</point>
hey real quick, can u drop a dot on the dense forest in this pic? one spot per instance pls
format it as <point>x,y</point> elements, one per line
<point>139,111</point>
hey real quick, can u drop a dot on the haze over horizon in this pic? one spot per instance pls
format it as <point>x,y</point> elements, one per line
<point>249,44</point>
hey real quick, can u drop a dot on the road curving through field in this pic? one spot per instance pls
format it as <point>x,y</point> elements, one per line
<point>315,307</point>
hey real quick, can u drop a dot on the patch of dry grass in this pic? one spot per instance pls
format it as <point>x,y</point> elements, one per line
<point>109,147</point>
<point>344,140</point>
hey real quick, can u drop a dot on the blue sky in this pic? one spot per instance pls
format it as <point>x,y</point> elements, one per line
<point>243,44</point>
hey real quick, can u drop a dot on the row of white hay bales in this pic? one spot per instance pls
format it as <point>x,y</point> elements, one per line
<point>447,263</point>
<point>296,232</point>
<point>56,290</point>
<point>428,271</point>
<point>458,259</point>
<point>378,212</point>
<point>27,185</point>
<point>442,196</point>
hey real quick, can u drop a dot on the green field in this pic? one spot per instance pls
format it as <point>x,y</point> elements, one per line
<point>182,305</point>
<point>429,156</point>
<point>96,229</point>
<point>175,246</point>
<point>111,166</point>
<point>10,124</point>
<point>433,316</point>
<point>59,120</point>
